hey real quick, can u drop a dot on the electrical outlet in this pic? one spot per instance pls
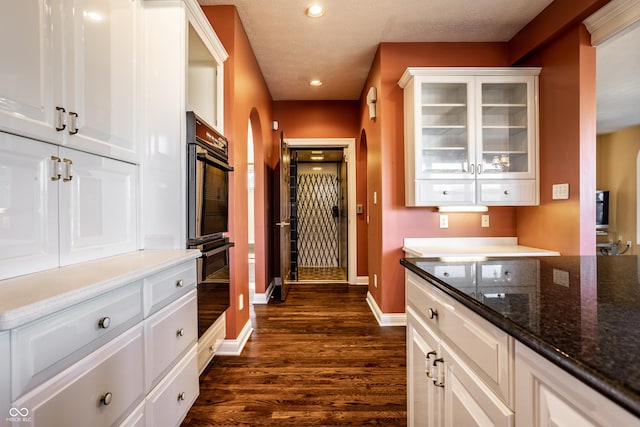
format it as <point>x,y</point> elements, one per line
<point>485,221</point>
<point>444,221</point>
<point>241,302</point>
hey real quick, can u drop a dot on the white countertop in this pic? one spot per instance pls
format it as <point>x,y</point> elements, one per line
<point>469,247</point>
<point>26,298</point>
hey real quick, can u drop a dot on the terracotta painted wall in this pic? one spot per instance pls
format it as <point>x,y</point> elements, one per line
<point>317,119</point>
<point>390,220</point>
<point>246,97</point>
<point>567,147</point>
<point>616,166</point>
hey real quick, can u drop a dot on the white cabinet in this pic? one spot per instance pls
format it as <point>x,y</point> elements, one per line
<point>91,393</point>
<point>548,396</point>
<point>184,71</point>
<point>68,76</point>
<point>459,366</point>
<point>5,372</point>
<point>62,206</point>
<point>470,136</point>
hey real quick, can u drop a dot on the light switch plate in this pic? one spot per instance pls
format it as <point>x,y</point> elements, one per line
<point>560,192</point>
<point>444,221</point>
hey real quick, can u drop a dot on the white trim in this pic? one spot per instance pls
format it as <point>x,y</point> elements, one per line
<point>611,19</point>
<point>235,347</point>
<point>362,280</point>
<point>263,298</point>
<point>393,319</point>
<point>350,145</point>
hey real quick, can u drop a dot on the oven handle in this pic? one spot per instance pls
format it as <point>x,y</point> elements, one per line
<point>218,250</point>
<point>204,157</point>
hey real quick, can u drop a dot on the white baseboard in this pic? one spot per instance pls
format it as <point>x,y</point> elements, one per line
<point>235,347</point>
<point>362,280</point>
<point>393,319</point>
<point>259,298</point>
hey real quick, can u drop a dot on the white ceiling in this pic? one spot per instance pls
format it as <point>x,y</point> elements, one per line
<point>339,47</point>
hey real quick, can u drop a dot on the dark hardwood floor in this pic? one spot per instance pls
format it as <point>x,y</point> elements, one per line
<point>319,358</point>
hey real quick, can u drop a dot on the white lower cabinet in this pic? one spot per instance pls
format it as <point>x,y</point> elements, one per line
<point>62,206</point>
<point>90,393</point>
<point>169,402</point>
<point>548,396</point>
<point>5,373</point>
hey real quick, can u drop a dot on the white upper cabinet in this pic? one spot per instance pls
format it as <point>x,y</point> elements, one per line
<point>60,206</point>
<point>470,136</point>
<point>69,76</point>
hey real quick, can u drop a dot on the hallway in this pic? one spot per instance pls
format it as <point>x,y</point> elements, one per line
<point>319,358</point>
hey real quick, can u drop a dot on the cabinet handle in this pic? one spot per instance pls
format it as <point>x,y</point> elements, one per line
<point>60,119</point>
<point>105,322</point>
<point>506,192</point>
<point>181,396</point>
<point>180,332</point>
<point>105,399</point>
<point>428,364</point>
<point>179,283</point>
<point>73,123</point>
<point>433,313</point>
<point>439,380</point>
<point>56,173</point>
<point>445,192</point>
<point>68,176</point>
<point>479,168</point>
<point>472,169</point>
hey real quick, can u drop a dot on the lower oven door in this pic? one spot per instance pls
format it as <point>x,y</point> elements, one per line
<point>213,283</point>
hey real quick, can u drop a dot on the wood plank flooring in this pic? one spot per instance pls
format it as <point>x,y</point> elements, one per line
<point>319,358</point>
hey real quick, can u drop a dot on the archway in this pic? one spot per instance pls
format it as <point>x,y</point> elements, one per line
<point>362,210</point>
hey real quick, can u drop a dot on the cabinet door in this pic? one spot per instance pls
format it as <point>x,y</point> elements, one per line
<point>28,206</point>
<point>99,75</point>
<point>506,127</point>
<point>5,372</point>
<point>98,208</point>
<point>29,70</point>
<point>467,400</point>
<point>424,399</point>
<point>444,123</point>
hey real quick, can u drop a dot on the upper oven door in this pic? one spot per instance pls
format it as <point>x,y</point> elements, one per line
<point>208,195</point>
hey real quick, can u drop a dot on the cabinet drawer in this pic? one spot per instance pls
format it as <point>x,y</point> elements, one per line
<point>136,417</point>
<point>460,274</point>
<point>165,287</point>
<point>45,347</point>
<point>521,273</point>
<point>437,192</point>
<point>168,334</point>
<point>100,390</point>
<point>508,193</point>
<point>169,402</point>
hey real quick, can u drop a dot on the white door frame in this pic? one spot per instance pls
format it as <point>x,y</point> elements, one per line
<point>350,145</point>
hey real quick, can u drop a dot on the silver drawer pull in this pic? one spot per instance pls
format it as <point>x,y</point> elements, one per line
<point>181,396</point>
<point>179,283</point>
<point>106,399</point>
<point>105,322</point>
<point>433,313</point>
<point>506,192</point>
<point>180,332</point>
<point>445,192</point>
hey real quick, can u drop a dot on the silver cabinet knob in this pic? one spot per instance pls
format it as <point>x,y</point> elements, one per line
<point>506,192</point>
<point>445,192</point>
<point>180,332</point>
<point>105,322</point>
<point>179,283</point>
<point>181,396</point>
<point>105,399</point>
<point>433,313</point>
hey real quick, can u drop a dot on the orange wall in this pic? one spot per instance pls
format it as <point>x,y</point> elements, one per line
<point>390,220</point>
<point>246,97</point>
<point>567,147</point>
<point>317,119</point>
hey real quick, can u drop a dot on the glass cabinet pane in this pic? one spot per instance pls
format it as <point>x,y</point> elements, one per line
<point>505,132</point>
<point>444,122</point>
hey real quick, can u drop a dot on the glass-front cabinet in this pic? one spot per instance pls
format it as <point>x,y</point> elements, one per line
<point>470,136</point>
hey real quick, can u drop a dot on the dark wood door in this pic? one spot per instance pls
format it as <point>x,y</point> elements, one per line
<point>285,218</point>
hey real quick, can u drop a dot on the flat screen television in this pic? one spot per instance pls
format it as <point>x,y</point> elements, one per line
<point>602,209</point>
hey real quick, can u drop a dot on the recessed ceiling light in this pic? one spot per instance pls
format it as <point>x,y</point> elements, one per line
<point>317,168</point>
<point>317,158</point>
<point>314,11</point>
<point>315,83</point>
<point>316,152</point>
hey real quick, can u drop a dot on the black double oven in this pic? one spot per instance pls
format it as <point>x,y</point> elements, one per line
<point>208,217</point>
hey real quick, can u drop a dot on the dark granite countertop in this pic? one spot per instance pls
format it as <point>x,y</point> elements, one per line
<point>581,313</point>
